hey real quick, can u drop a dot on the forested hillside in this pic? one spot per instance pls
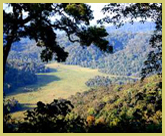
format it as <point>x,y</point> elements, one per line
<point>136,105</point>
<point>130,49</point>
<point>130,52</point>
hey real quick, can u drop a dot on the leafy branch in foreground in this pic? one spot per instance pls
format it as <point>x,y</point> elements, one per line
<point>43,19</point>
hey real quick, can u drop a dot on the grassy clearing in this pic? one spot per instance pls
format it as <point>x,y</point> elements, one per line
<point>64,82</point>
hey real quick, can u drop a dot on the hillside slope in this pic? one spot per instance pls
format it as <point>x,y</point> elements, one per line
<point>130,52</point>
<point>133,107</point>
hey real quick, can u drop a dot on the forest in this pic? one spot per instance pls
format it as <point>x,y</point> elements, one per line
<point>67,76</point>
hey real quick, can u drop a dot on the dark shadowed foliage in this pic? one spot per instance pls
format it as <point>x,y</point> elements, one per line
<point>50,118</point>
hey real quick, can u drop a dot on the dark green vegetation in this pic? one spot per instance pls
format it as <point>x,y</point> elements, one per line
<point>100,81</point>
<point>12,105</point>
<point>20,73</point>
<point>133,107</point>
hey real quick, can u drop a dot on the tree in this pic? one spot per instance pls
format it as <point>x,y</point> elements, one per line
<point>122,13</point>
<point>71,18</point>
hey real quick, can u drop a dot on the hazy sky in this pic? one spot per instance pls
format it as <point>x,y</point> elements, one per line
<point>96,7</point>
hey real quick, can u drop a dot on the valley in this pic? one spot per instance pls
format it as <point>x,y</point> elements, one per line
<point>82,65</point>
<point>62,73</point>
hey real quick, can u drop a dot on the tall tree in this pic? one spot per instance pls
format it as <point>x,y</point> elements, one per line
<point>121,13</point>
<point>72,18</point>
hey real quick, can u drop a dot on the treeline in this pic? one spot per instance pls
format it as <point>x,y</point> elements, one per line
<point>130,60</point>
<point>25,50</point>
<point>101,81</point>
<point>20,73</point>
<point>30,66</point>
<point>98,81</point>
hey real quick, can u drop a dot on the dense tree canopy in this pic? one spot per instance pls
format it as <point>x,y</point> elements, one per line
<point>38,25</point>
<point>122,13</point>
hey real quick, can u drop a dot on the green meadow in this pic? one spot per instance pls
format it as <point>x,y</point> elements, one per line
<point>62,82</point>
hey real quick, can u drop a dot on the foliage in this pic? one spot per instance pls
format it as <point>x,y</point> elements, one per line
<point>102,81</point>
<point>37,25</point>
<point>53,117</point>
<point>20,72</point>
<point>136,107</point>
<point>98,81</point>
<point>8,122</point>
<point>94,35</point>
<point>18,75</point>
<point>12,105</point>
